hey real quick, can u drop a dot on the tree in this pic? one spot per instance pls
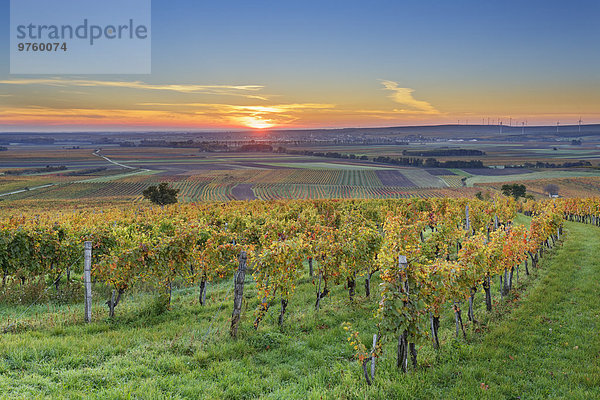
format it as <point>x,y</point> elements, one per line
<point>161,194</point>
<point>515,190</point>
<point>551,189</point>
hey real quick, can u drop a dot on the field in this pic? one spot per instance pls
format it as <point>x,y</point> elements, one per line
<point>568,187</point>
<point>223,176</point>
<point>531,176</point>
<point>497,151</point>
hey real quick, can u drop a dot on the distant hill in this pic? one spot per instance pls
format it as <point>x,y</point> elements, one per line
<point>463,131</point>
<point>495,132</point>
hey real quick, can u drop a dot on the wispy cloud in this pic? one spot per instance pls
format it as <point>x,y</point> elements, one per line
<point>277,108</point>
<point>248,91</point>
<point>249,115</point>
<point>83,116</point>
<point>166,114</point>
<point>404,97</point>
<point>160,105</point>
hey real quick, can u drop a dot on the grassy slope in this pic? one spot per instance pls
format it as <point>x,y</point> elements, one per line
<point>144,354</point>
<point>548,347</point>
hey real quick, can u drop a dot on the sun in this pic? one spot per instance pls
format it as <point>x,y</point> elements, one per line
<point>256,122</point>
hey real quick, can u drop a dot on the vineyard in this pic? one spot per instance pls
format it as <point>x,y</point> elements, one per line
<point>246,178</point>
<point>454,181</point>
<point>200,189</point>
<point>418,264</point>
<point>577,187</point>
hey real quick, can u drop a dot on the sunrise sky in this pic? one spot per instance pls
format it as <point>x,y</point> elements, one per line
<point>304,64</point>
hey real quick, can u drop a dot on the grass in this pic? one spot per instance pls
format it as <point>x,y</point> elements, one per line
<point>327,165</point>
<point>111,178</point>
<point>460,172</point>
<point>9,184</point>
<point>545,348</point>
<point>422,178</point>
<point>541,343</point>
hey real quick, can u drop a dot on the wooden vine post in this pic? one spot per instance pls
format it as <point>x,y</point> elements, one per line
<point>403,338</point>
<point>373,357</point>
<point>87,280</point>
<point>467,219</point>
<point>240,277</point>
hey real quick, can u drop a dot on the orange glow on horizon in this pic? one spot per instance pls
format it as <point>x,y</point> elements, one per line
<point>385,103</point>
<point>256,122</point>
<point>225,117</point>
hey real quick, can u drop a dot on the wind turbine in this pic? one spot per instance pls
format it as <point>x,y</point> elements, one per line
<point>523,128</point>
<point>580,121</point>
<point>557,125</point>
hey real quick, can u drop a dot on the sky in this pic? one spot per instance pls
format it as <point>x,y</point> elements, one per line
<point>228,65</point>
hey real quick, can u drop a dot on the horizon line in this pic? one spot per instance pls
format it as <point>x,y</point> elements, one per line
<point>267,130</point>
